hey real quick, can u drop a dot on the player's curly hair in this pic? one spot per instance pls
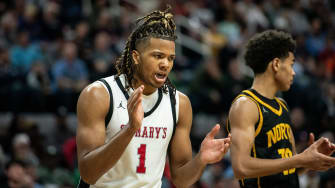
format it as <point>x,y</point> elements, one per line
<point>157,24</point>
<point>264,47</point>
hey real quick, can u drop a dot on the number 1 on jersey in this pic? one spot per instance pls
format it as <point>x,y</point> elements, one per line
<point>141,151</point>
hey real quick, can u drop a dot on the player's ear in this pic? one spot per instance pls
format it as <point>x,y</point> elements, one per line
<point>136,57</point>
<point>275,63</point>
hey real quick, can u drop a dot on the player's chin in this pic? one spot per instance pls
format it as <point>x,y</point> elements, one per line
<point>286,88</point>
<point>157,85</point>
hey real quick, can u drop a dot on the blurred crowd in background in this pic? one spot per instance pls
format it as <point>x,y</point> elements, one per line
<point>51,49</point>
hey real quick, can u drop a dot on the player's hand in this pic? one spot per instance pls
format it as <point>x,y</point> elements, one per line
<point>135,109</point>
<point>314,159</point>
<point>326,148</point>
<point>212,150</point>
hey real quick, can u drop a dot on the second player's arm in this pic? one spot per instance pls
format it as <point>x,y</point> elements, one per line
<point>294,151</point>
<point>243,116</point>
<point>327,148</point>
<point>95,157</point>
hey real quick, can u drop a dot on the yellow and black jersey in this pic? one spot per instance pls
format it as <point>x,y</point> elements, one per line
<point>272,140</point>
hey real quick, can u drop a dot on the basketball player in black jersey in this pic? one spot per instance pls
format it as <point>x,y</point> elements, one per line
<point>263,149</point>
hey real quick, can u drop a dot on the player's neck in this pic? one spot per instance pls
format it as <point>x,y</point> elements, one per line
<point>265,86</point>
<point>148,90</point>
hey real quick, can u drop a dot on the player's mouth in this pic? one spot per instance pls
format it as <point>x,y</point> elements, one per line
<point>160,77</point>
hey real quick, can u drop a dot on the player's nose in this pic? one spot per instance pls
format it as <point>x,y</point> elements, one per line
<point>164,64</point>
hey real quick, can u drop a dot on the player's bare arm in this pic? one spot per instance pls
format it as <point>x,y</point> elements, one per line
<point>212,150</point>
<point>243,117</point>
<point>326,148</point>
<point>94,156</point>
<point>294,150</point>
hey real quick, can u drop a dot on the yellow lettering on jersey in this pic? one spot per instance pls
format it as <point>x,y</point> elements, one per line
<point>279,132</point>
<point>286,153</point>
<point>271,137</point>
<point>288,128</point>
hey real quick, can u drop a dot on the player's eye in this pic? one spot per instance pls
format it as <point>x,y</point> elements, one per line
<point>158,56</point>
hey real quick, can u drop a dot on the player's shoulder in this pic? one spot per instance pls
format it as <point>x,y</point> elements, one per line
<point>183,98</point>
<point>94,88</point>
<point>243,101</point>
<point>243,109</point>
<point>93,100</point>
<point>243,105</point>
<point>94,92</point>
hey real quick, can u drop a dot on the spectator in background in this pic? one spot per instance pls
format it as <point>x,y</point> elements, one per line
<point>50,23</point>
<point>316,40</point>
<point>298,22</point>
<point>327,58</point>
<point>6,78</point>
<point>39,86</point>
<point>70,76</point>
<point>29,21</point>
<point>21,71</point>
<point>102,57</point>
<point>83,40</point>
<point>8,28</point>
<point>215,40</point>
<point>62,130</point>
<point>3,159</point>
<point>329,94</point>
<point>95,8</point>
<point>102,44</point>
<point>24,53</point>
<point>19,177</point>
<point>71,11</point>
<point>22,149</point>
<point>253,14</point>
<point>38,77</point>
<point>300,128</point>
<point>103,23</point>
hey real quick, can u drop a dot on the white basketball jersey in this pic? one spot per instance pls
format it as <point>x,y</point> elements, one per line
<point>142,163</point>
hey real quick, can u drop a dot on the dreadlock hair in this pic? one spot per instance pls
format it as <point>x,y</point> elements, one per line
<point>157,24</point>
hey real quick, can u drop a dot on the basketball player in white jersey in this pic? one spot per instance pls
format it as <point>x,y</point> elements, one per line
<point>130,122</point>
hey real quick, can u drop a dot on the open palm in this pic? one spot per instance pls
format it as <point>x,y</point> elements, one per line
<point>212,150</point>
<point>135,108</point>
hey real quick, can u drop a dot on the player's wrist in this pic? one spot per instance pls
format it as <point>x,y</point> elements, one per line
<point>131,129</point>
<point>201,159</point>
<point>299,161</point>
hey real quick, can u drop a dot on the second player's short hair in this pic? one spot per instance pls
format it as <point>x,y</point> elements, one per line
<point>264,47</point>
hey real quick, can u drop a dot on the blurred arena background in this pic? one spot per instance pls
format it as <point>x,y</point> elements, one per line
<point>51,49</point>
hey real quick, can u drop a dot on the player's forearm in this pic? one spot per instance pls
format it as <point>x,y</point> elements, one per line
<point>254,167</point>
<point>189,173</point>
<point>97,162</point>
